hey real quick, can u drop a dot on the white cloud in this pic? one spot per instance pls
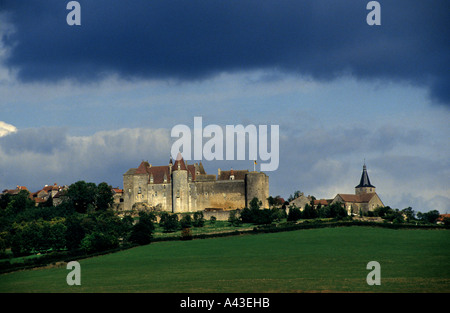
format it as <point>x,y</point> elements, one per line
<point>103,156</point>
<point>6,129</point>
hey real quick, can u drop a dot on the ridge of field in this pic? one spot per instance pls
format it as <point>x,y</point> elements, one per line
<point>311,260</point>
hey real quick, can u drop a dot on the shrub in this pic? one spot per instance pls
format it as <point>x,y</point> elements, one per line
<point>186,234</point>
<point>294,214</point>
<point>199,220</point>
<point>186,221</point>
<point>141,234</point>
<point>169,222</point>
<point>96,241</point>
<point>233,219</point>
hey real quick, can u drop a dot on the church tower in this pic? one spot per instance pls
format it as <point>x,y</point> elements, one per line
<point>364,184</point>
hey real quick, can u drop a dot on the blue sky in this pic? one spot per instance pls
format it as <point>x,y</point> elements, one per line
<point>89,102</point>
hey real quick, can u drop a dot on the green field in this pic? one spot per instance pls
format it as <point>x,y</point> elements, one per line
<point>312,260</point>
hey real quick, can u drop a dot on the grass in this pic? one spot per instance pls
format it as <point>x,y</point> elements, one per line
<point>208,228</point>
<point>312,260</point>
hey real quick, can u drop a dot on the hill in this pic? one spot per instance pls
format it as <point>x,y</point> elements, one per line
<point>325,259</point>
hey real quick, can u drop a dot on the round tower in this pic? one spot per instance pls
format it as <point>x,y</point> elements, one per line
<point>180,187</point>
<point>257,185</point>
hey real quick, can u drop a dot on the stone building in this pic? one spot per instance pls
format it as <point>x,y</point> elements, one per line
<point>364,199</point>
<point>180,187</point>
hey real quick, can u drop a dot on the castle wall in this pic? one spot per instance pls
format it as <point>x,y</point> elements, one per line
<point>160,196</point>
<point>227,195</point>
<point>127,192</point>
<point>135,189</point>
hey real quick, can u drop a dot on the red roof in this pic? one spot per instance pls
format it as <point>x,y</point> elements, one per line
<point>442,216</point>
<point>158,173</point>
<point>360,198</point>
<point>321,202</point>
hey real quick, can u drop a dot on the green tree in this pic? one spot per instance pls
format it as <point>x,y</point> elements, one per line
<point>169,222</point>
<point>428,217</point>
<point>294,214</point>
<point>255,204</point>
<point>186,221</point>
<point>104,197</point>
<point>142,232</point>
<point>199,220</point>
<point>97,241</point>
<point>233,219</point>
<point>74,231</point>
<point>309,212</point>
<point>19,203</point>
<point>278,214</point>
<point>247,215</point>
<point>409,213</point>
<point>81,196</point>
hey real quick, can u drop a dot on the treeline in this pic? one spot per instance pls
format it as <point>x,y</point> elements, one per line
<point>337,211</point>
<point>83,222</point>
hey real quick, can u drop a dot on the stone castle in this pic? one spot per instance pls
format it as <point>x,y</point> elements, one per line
<point>180,187</point>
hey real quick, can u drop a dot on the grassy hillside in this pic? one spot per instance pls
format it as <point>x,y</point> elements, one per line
<point>326,259</point>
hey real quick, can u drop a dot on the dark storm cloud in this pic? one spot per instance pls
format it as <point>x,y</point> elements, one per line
<point>193,39</point>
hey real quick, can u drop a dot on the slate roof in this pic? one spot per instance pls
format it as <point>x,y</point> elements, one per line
<point>365,181</point>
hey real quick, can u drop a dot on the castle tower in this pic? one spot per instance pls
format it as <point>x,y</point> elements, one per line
<point>364,184</point>
<point>180,188</point>
<point>257,185</point>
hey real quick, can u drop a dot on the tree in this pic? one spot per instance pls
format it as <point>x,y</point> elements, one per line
<point>233,219</point>
<point>271,201</point>
<point>199,220</point>
<point>255,204</point>
<point>294,214</point>
<point>19,203</point>
<point>104,197</point>
<point>409,213</point>
<point>81,195</point>
<point>186,221</point>
<point>246,215</point>
<point>142,232</point>
<point>309,212</point>
<point>169,222</point>
<point>278,214</point>
<point>428,217</point>
<point>98,241</point>
<point>263,217</point>
<point>74,232</point>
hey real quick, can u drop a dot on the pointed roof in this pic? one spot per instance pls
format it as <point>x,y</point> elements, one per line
<point>179,161</point>
<point>365,181</point>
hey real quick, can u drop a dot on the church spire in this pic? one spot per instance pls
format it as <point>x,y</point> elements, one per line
<point>364,183</point>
